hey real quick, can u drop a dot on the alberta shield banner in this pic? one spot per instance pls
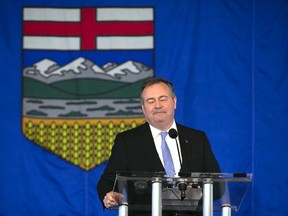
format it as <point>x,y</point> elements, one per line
<point>82,69</point>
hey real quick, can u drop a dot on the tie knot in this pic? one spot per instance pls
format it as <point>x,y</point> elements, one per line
<point>163,135</point>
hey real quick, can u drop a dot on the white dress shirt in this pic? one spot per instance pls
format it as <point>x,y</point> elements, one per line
<point>171,144</point>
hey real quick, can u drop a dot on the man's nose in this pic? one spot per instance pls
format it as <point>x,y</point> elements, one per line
<point>158,104</point>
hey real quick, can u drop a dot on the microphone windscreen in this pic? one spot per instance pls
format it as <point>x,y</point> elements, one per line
<point>173,133</point>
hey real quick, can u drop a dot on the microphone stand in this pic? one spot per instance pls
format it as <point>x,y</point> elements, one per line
<point>182,185</point>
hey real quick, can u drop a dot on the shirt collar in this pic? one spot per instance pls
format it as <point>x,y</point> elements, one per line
<point>155,132</point>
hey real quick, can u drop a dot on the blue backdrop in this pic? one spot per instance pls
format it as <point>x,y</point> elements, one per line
<point>228,60</point>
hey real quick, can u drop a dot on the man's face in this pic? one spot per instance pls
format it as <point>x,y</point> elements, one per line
<point>158,106</point>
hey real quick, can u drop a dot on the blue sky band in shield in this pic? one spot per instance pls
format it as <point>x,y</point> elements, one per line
<point>71,77</point>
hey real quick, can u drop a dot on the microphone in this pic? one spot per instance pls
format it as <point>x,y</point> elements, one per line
<point>174,134</point>
<point>182,185</point>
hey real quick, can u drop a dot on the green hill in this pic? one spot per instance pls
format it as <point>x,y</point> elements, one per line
<point>80,89</point>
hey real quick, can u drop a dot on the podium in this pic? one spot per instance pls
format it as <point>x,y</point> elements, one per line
<point>202,193</point>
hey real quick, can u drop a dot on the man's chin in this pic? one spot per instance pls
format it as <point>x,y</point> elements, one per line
<point>160,120</point>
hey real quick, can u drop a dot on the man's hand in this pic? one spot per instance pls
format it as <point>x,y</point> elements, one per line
<point>112,199</point>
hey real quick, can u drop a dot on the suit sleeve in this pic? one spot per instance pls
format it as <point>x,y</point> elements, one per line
<point>117,162</point>
<point>210,163</point>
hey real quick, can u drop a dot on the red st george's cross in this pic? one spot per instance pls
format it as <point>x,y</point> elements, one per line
<point>88,28</point>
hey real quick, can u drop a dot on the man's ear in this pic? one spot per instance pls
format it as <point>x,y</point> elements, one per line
<point>175,102</point>
<point>142,109</point>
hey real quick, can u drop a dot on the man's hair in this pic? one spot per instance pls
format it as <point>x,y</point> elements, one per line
<point>153,81</point>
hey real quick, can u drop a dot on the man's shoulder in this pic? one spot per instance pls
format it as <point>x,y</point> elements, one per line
<point>186,129</point>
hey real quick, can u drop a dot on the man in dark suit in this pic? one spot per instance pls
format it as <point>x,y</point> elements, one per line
<point>138,149</point>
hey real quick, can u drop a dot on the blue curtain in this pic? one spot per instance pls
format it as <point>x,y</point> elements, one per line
<point>228,60</point>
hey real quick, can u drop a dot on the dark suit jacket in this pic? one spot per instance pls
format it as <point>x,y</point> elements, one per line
<point>134,150</point>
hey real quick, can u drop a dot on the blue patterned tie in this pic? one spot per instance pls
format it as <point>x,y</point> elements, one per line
<point>167,158</point>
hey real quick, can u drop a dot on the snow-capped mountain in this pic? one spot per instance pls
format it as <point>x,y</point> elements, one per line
<point>49,71</point>
<point>44,68</point>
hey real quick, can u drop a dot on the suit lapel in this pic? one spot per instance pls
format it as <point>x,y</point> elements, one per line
<point>149,148</point>
<point>185,149</point>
